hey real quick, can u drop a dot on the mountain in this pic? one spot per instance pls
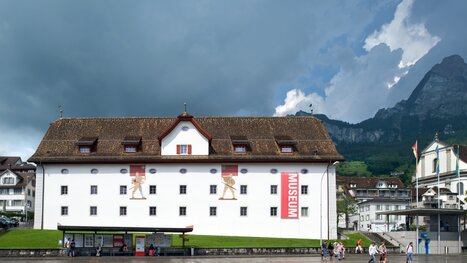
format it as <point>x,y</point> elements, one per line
<point>438,104</point>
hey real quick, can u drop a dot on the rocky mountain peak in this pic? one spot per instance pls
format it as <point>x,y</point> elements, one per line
<point>452,66</point>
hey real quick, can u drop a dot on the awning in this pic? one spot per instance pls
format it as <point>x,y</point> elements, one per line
<point>126,229</point>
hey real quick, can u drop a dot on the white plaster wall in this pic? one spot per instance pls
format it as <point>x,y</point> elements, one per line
<point>197,200</point>
<point>38,199</point>
<point>199,143</point>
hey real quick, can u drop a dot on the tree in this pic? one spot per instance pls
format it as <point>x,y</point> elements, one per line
<point>346,206</point>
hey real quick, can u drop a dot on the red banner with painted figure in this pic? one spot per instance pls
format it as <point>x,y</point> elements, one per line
<point>289,195</point>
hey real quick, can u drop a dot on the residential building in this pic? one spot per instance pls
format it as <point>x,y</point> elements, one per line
<point>17,185</point>
<point>372,195</point>
<point>237,176</point>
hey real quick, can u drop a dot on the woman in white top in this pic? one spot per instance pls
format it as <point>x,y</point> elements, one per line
<point>372,250</point>
<point>409,252</point>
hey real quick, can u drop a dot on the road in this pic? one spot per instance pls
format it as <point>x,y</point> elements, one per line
<point>282,259</point>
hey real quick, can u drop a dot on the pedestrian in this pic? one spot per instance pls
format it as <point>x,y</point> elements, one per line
<point>72,247</point>
<point>67,246</point>
<point>409,252</point>
<point>324,252</point>
<point>340,250</point>
<point>358,248</point>
<point>331,249</point>
<point>372,250</point>
<point>382,252</point>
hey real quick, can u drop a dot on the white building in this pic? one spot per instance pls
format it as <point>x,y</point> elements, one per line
<point>447,159</point>
<point>234,176</point>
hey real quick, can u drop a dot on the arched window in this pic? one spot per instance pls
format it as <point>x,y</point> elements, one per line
<point>435,165</point>
<point>460,188</point>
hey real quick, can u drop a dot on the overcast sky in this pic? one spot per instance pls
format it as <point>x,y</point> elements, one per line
<point>224,58</point>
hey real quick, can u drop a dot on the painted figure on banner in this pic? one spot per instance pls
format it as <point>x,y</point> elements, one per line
<point>137,172</point>
<point>228,172</point>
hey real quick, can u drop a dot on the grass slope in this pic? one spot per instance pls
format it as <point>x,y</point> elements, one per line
<point>32,238</point>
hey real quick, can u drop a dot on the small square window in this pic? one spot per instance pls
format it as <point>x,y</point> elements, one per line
<point>240,148</point>
<point>93,210</point>
<point>304,189</point>
<point>367,217</point>
<point>273,211</point>
<point>286,149</point>
<point>183,189</point>
<point>152,189</point>
<point>243,189</point>
<point>388,207</point>
<point>64,190</point>
<point>123,189</point>
<point>184,149</point>
<point>182,210</point>
<point>130,149</point>
<point>94,189</point>
<point>84,149</point>
<point>123,211</point>
<point>304,211</point>
<point>213,189</point>
<point>152,210</point>
<point>243,211</point>
<point>29,192</point>
<point>64,210</point>
<point>274,189</point>
<point>212,211</point>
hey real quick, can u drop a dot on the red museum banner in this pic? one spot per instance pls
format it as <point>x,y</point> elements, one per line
<point>289,195</point>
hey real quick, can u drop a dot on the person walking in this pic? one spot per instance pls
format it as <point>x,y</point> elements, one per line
<point>331,249</point>
<point>372,250</point>
<point>72,247</point>
<point>383,252</point>
<point>409,252</point>
<point>67,246</point>
<point>340,250</point>
<point>324,252</point>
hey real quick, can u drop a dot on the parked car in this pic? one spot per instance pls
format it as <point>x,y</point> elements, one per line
<point>14,222</point>
<point>3,223</point>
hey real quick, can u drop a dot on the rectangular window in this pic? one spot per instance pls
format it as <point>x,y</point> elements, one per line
<point>122,210</point>
<point>367,217</point>
<point>213,189</point>
<point>184,149</point>
<point>378,207</point>
<point>273,211</point>
<point>396,207</point>
<point>130,149</point>
<point>243,211</point>
<point>84,149</point>
<point>378,217</point>
<point>367,208</point>
<point>93,210</point>
<point>152,189</point>
<point>94,189</point>
<point>304,189</point>
<point>243,189</point>
<point>387,207</point>
<point>240,148</point>
<point>274,189</point>
<point>212,211</point>
<point>183,189</point>
<point>304,211</point>
<point>64,210</point>
<point>182,211</point>
<point>17,203</point>
<point>152,210</point>
<point>33,193</point>
<point>123,189</point>
<point>286,149</point>
<point>362,218</point>
<point>29,192</point>
<point>8,180</point>
<point>64,190</point>
<point>18,191</point>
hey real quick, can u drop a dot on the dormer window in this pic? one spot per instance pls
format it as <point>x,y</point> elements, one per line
<point>131,144</point>
<point>8,180</point>
<point>184,149</point>
<point>286,144</point>
<point>240,143</point>
<point>87,144</point>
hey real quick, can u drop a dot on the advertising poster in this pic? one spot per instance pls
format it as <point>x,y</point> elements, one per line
<point>88,240</point>
<point>139,249</point>
<point>158,240</point>
<point>138,177</point>
<point>289,195</point>
<point>99,240</point>
<point>118,241</point>
<point>229,171</point>
<point>128,239</point>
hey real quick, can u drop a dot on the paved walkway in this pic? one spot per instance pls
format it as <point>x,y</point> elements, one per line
<point>292,259</point>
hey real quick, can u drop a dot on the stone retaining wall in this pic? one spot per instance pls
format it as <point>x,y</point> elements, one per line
<point>33,252</point>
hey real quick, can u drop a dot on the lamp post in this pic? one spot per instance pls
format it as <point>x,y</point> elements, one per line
<point>321,203</point>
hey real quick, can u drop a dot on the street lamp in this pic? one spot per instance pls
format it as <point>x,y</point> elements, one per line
<point>321,203</point>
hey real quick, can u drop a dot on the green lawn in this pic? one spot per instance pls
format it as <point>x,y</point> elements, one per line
<point>31,238</point>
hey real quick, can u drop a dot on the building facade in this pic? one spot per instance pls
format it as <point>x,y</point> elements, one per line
<point>223,176</point>
<point>372,195</point>
<point>17,185</point>
<point>447,161</point>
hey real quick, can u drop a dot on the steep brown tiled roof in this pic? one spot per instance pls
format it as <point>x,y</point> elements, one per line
<point>313,142</point>
<point>367,182</point>
<point>14,163</point>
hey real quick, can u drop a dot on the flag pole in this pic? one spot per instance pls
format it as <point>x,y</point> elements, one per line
<point>415,152</point>
<point>439,196</point>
